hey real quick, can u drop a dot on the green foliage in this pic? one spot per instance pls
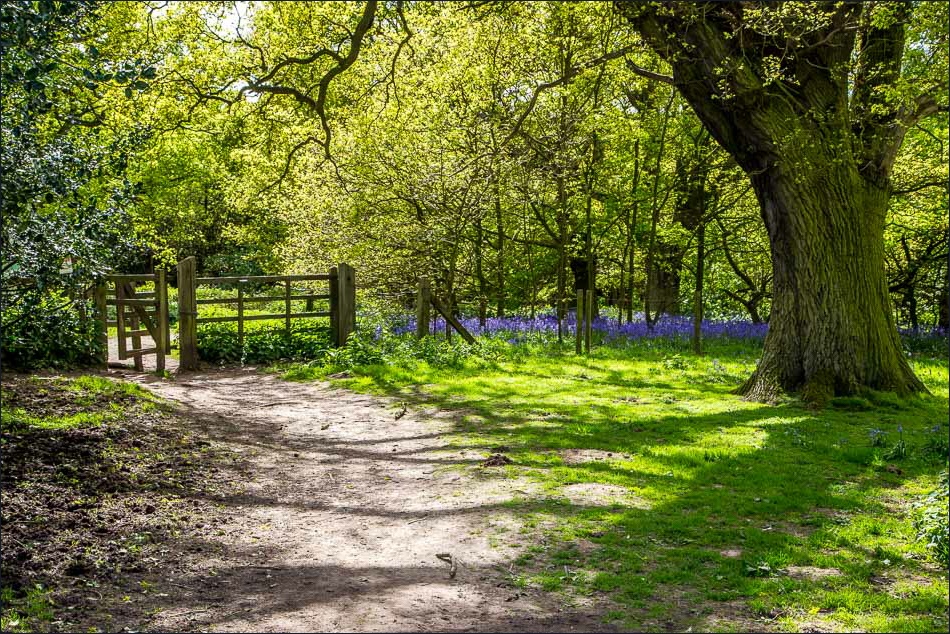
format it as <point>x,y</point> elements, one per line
<point>218,342</point>
<point>64,195</point>
<point>931,521</point>
<point>28,611</point>
<point>50,335</point>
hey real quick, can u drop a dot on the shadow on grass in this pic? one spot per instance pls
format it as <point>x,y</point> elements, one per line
<point>730,503</point>
<point>728,517</point>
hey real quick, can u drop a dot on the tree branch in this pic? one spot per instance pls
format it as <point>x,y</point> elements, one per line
<point>649,74</point>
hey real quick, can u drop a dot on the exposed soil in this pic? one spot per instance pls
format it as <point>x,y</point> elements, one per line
<point>348,501</point>
<point>87,510</point>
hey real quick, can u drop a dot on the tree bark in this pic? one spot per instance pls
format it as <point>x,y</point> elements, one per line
<point>832,327</point>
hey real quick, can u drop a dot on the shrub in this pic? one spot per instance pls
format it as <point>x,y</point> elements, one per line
<point>54,335</point>
<point>218,342</point>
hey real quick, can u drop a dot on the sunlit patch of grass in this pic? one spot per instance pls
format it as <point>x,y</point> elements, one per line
<point>20,417</point>
<point>98,400</point>
<point>791,512</point>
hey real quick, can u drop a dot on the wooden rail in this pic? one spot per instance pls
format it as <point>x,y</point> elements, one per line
<point>426,299</point>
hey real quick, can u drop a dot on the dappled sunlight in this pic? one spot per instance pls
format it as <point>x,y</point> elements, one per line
<point>676,472</point>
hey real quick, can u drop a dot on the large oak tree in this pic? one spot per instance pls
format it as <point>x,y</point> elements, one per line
<point>813,101</point>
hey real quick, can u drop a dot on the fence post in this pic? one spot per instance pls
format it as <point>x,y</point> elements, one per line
<point>240,320</point>
<point>579,325</point>
<point>346,302</point>
<point>422,308</point>
<point>187,313</point>
<point>287,307</point>
<point>161,289</point>
<point>335,306</point>
<point>161,296</point>
<point>588,319</point>
<point>102,316</point>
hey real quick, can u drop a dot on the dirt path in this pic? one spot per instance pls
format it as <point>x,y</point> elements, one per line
<point>148,360</point>
<point>340,526</point>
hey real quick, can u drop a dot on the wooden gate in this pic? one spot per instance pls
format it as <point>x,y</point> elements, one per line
<point>341,293</point>
<point>139,314</point>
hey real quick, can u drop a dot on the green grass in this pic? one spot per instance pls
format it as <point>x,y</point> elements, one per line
<point>788,510</point>
<point>83,392</point>
<point>25,614</point>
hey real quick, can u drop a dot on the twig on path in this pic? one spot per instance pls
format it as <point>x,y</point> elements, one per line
<point>418,519</point>
<point>181,585</point>
<point>449,559</point>
<point>275,403</point>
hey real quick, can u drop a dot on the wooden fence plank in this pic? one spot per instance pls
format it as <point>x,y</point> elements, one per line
<point>268,316</point>
<point>450,319</point>
<point>261,298</point>
<point>102,314</point>
<point>133,301</point>
<point>234,279</point>
<point>118,278</point>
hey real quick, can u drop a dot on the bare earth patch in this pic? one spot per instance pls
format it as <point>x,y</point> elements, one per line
<point>811,573</point>
<point>596,494</point>
<point>580,456</point>
<point>345,509</point>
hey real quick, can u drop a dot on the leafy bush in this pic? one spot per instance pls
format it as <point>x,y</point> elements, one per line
<point>931,521</point>
<point>54,335</point>
<point>218,342</point>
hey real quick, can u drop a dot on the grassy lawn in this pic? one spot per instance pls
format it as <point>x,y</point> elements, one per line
<point>690,507</point>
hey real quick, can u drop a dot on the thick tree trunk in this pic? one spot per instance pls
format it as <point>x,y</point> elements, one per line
<point>818,141</point>
<point>832,327</point>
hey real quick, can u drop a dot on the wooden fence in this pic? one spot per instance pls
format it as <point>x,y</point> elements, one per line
<point>139,314</point>
<point>341,293</point>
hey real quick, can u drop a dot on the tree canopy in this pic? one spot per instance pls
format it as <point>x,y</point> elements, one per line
<point>782,162</point>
